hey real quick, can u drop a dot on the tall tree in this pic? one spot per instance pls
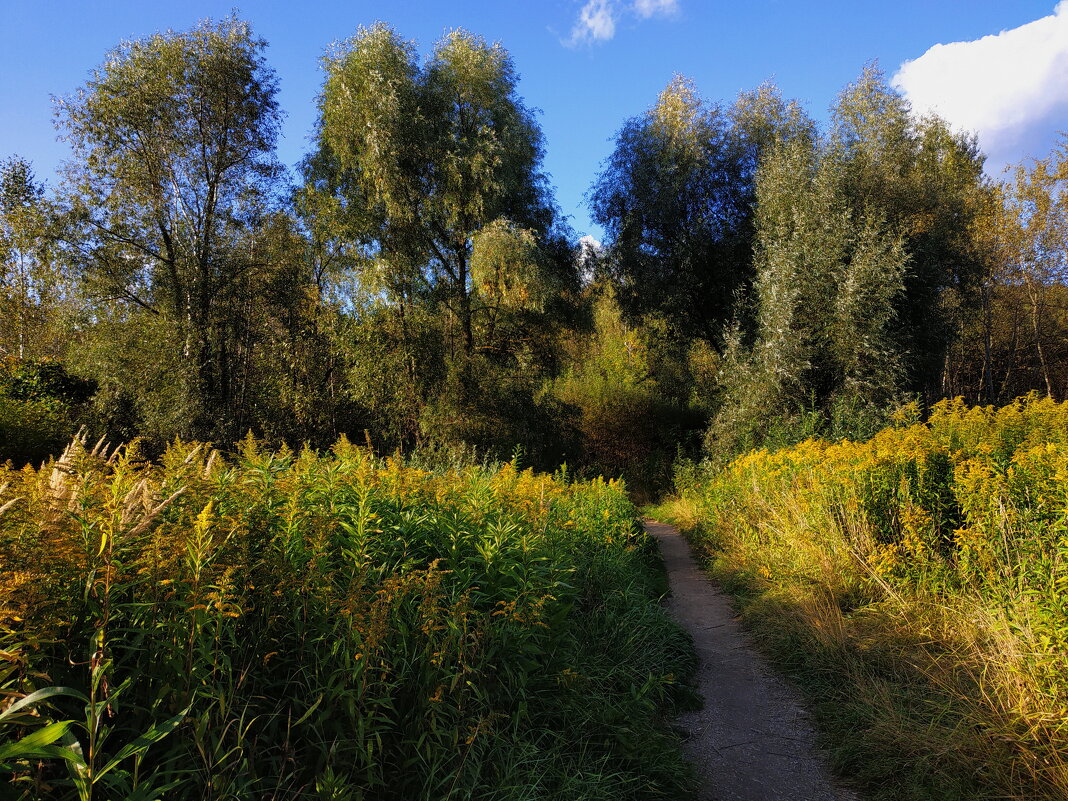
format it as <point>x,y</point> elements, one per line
<point>426,157</point>
<point>30,283</point>
<point>675,199</point>
<point>825,288</point>
<point>927,182</point>
<point>434,169</point>
<point>1036,247</point>
<point>867,260</point>
<point>173,172</point>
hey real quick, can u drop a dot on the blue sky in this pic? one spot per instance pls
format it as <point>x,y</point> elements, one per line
<point>590,64</point>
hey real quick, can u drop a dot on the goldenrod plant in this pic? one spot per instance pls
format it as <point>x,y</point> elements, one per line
<point>916,585</point>
<point>273,624</point>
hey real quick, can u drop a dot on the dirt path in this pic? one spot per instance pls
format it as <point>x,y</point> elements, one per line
<point>752,741</point>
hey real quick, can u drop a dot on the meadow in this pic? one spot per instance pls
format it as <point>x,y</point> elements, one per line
<point>916,587</point>
<point>275,624</point>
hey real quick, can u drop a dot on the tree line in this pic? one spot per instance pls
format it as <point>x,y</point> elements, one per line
<point>763,277</point>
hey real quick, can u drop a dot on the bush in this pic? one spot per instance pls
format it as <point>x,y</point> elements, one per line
<point>40,405</point>
<point>625,396</point>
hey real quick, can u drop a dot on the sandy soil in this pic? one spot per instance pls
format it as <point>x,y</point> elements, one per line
<point>752,740</point>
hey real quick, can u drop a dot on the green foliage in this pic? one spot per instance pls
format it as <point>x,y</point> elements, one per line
<point>45,380</point>
<point>41,406</point>
<point>675,199</point>
<point>507,269</point>
<point>383,377</point>
<point>827,273</point>
<point>861,272</point>
<point>145,388</point>
<point>424,158</point>
<point>629,410</point>
<point>1015,345</point>
<point>824,294</point>
<point>171,182</point>
<point>926,183</point>
<point>273,622</point>
<point>496,409</point>
<point>434,171</point>
<point>32,286</point>
<point>420,286</point>
<point>31,431</point>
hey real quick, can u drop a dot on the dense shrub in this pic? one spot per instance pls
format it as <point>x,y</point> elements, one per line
<point>40,407</point>
<point>627,396</point>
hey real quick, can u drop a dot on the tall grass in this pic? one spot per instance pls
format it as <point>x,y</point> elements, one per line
<point>917,586</point>
<point>291,625</point>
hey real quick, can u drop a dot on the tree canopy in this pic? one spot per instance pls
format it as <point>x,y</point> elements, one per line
<point>172,179</point>
<point>675,199</point>
<point>427,156</point>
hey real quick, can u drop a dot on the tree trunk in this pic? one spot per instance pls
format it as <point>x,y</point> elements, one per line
<point>1036,305</point>
<point>465,308</point>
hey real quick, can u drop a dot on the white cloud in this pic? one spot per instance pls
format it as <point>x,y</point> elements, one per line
<point>597,19</point>
<point>1009,88</point>
<point>589,250</point>
<point>596,23</point>
<point>651,8</point>
<point>589,244</point>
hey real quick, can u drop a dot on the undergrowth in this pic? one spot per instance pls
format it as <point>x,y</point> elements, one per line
<point>916,587</point>
<point>277,625</point>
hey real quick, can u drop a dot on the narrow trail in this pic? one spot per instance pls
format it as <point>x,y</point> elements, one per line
<point>752,740</point>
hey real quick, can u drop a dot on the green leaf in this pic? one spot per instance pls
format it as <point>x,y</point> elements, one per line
<point>311,709</point>
<point>40,695</point>
<point>36,744</point>
<point>142,743</point>
<point>50,752</point>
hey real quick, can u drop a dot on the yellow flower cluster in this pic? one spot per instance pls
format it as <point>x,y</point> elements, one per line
<point>959,492</point>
